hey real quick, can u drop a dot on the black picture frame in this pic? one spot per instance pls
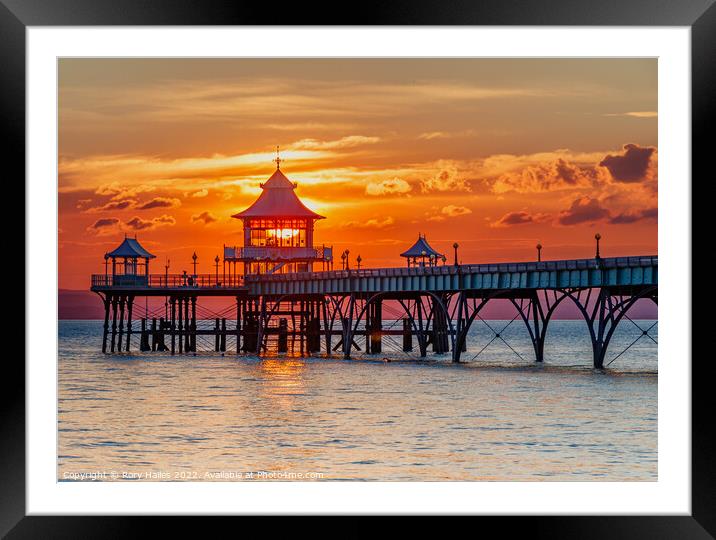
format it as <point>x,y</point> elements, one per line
<point>700,15</point>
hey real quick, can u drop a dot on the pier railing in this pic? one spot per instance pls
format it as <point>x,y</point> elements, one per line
<point>570,264</point>
<point>171,281</point>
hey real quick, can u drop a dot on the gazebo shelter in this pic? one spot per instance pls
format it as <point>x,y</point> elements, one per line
<point>130,263</point>
<point>421,254</point>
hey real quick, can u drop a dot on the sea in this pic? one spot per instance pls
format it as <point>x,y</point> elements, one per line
<point>497,416</point>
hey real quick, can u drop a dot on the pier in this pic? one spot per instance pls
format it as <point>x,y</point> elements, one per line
<point>342,311</point>
<point>277,303</point>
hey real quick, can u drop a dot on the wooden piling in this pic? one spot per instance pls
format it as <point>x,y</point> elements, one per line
<point>407,335</point>
<point>222,341</point>
<point>283,335</point>
<point>105,328</point>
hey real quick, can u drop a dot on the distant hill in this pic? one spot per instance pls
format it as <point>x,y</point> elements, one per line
<point>87,305</point>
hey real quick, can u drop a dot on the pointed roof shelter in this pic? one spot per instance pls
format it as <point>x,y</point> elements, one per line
<point>278,199</point>
<point>132,268</point>
<point>130,248</point>
<point>421,251</point>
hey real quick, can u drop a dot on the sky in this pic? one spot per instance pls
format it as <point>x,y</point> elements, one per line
<point>495,154</point>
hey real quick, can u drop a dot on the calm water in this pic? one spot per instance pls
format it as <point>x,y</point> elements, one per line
<point>498,417</point>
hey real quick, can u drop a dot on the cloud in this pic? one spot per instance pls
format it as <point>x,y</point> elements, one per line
<point>429,136</point>
<point>205,217</point>
<point>199,194</point>
<point>519,218</point>
<point>632,217</point>
<point>105,226</point>
<point>344,142</point>
<point>636,114</point>
<point>139,224</point>
<point>432,135</point>
<point>112,206</point>
<point>374,223</point>
<point>386,187</point>
<point>583,210</point>
<point>104,222</point>
<point>159,202</point>
<point>556,175</point>
<point>447,178</point>
<point>454,211</point>
<point>630,166</point>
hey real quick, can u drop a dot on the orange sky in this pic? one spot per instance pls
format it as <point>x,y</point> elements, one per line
<point>496,154</point>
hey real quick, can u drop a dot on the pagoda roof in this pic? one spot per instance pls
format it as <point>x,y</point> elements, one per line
<point>278,199</point>
<point>421,248</point>
<point>130,248</point>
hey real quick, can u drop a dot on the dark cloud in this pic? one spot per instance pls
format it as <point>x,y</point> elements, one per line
<point>112,206</point>
<point>204,217</point>
<point>159,202</point>
<point>583,210</point>
<point>104,222</point>
<point>519,218</point>
<point>631,217</point>
<point>632,165</point>
<point>139,224</point>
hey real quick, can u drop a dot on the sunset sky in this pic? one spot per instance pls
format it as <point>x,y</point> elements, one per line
<point>496,154</point>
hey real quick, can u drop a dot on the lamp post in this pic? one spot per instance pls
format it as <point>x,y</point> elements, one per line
<point>216,265</point>
<point>358,260</point>
<point>194,258</point>
<point>455,246</point>
<point>597,237</point>
<point>444,259</point>
<point>343,260</point>
<point>348,262</point>
<point>166,274</point>
<point>539,252</point>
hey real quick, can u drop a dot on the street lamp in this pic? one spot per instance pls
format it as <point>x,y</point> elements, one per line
<point>539,252</point>
<point>444,259</point>
<point>359,259</point>
<point>194,258</point>
<point>166,274</point>
<point>348,261</point>
<point>343,260</point>
<point>455,246</point>
<point>597,237</point>
<point>216,265</point>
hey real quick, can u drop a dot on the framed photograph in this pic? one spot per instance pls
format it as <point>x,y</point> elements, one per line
<point>405,267</point>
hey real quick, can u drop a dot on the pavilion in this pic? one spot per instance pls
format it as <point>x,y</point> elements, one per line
<point>421,254</point>
<point>278,231</point>
<point>130,263</point>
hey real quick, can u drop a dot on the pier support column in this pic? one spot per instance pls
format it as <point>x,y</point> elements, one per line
<point>120,335</point>
<point>374,327</point>
<point>239,309</point>
<point>187,326</point>
<point>144,336</point>
<point>440,327</point>
<point>283,335</point>
<point>172,328</point>
<point>222,341</point>
<point>407,335</point>
<point>105,328</point>
<point>155,336</point>
<point>130,304</point>
<point>180,329</point>
<point>193,324</point>
<point>217,335</point>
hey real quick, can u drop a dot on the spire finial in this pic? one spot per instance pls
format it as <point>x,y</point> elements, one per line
<point>278,159</point>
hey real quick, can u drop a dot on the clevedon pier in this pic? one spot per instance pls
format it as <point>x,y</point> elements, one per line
<point>282,295</point>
